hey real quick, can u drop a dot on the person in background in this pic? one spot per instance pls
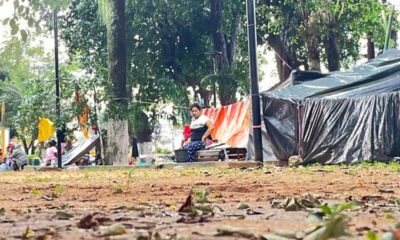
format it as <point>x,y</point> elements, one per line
<point>1,155</point>
<point>200,128</point>
<point>67,145</point>
<point>186,134</point>
<point>135,151</point>
<point>51,154</point>
<point>17,157</point>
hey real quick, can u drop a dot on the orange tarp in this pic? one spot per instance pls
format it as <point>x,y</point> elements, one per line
<point>84,117</point>
<point>232,123</point>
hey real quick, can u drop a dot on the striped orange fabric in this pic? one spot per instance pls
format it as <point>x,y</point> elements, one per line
<point>232,123</point>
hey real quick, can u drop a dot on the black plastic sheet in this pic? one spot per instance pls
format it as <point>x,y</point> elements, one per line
<point>345,117</point>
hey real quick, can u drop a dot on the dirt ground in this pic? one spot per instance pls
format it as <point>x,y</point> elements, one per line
<point>144,203</point>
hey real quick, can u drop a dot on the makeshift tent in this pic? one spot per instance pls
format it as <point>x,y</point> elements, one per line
<point>80,150</point>
<point>345,117</point>
<point>232,123</point>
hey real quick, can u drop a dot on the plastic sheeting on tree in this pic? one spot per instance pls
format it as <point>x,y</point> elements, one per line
<point>345,117</point>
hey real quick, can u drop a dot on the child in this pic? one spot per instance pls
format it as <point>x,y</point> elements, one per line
<point>186,134</point>
<point>51,154</point>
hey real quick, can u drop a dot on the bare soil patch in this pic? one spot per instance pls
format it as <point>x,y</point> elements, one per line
<point>85,204</point>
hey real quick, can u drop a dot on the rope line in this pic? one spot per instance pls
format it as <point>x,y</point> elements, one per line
<point>280,57</point>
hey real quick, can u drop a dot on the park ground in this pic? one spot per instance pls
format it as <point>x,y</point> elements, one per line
<point>249,203</point>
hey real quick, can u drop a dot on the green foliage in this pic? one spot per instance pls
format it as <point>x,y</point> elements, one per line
<point>58,190</point>
<point>28,91</point>
<point>371,236</point>
<point>36,192</point>
<point>117,189</point>
<point>28,13</point>
<point>348,20</point>
<point>162,151</point>
<point>201,195</point>
<point>332,222</point>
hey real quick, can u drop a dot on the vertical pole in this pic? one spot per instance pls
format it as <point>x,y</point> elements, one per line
<point>57,75</point>
<point>3,131</point>
<point>255,96</point>
<point>214,84</point>
<point>389,30</point>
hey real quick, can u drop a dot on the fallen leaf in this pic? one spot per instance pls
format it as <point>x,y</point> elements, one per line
<point>386,190</point>
<point>309,201</point>
<point>217,210</point>
<point>88,222</point>
<point>363,229</point>
<point>2,211</point>
<point>187,206</point>
<point>333,228</point>
<point>17,199</point>
<point>28,233</point>
<point>63,215</point>
<point>102,220</point>
<point>371,198</point>
<point>290,234</point>
<point>269,216</point>
<point>275,203</point>
<point>47,197</point>
<point>292,204</point>
<point>242,206</point>
<point>113,230</point>
<point>235,215</point>
<point>192,219</point>
<point>235,231</point>
<point>252,212</point>
<point>49,234</point>
<point>271,236</point>
<point>204,209</point>
<point>371,236</point>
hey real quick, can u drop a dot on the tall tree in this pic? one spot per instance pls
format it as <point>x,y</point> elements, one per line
<point>309,33</point>
<point>225,22</point>
<point>113,13</point>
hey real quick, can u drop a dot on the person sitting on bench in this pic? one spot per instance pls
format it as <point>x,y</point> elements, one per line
<point>200,128</point>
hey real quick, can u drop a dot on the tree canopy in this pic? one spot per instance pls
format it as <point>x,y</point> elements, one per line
<point>176,50</point>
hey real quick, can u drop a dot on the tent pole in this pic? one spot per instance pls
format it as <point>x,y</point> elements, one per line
<point>57,75</point>
<point>255,95</point>
<point>389,30</point>
<point>3,131</point>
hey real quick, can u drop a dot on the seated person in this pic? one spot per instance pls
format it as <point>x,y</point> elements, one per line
<point>17,156</point>
<point>51,154</point>
<point>200,128</point>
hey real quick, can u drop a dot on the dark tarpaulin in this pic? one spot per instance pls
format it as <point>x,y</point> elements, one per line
<point>352,129</point>
<point>345,117</point>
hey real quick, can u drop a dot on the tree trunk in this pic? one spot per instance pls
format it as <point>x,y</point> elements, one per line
<point>370,46</point>
<point>117,142</point>
<point>332,51</point>
<point>118,139</point>
<point>219,43</point>
<point>286,61</point>
<point>206,96</point>
<point>233,43</point>
<point>26,147</point>
<point>32,146</point>
<point>312,38</point>
<point>227,84</point>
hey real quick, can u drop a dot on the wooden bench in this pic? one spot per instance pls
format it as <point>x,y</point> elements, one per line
<point>221,154</point>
